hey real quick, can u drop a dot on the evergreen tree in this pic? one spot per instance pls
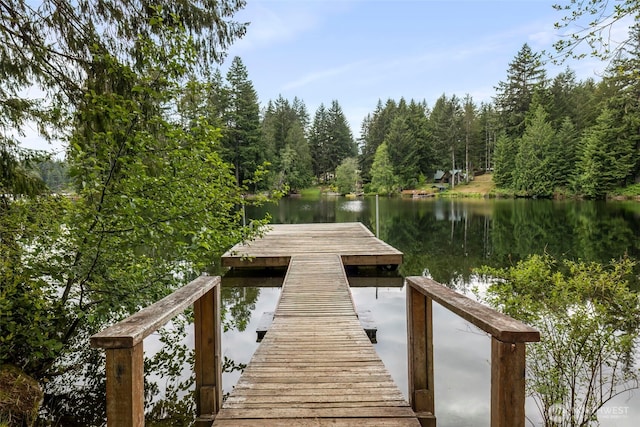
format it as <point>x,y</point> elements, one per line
<point>374,131</point>
<point>84,32</point>
<point>55,174</point>
<point>532,174</point>
<point>606,158</point>
<point>624,103</point>
<point>562,158</point>
<point>473,148</point>
<point>588,96</point>
<point>514,96</point>
<point>319,139</point>
<point>446,125</point>
<point>422,140</point>
<point>563,100</point>
<point>330,140</point>
<point>342,145</point>
<point>295,170</point>
<point>402,152</point>
<point>208,99</point>
<point>241,136</point>
<point>504,159</point>
<point>283,125</point>
<point>300,109</point>
<point>488,124</point>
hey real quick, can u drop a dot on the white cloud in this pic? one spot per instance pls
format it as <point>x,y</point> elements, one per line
<point>275,22</point>
<point>316,76</point>
<point>268,26</point>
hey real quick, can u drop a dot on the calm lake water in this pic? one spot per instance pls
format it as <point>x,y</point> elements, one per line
<point>447,239</point>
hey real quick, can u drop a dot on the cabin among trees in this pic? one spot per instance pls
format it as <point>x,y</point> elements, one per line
<point>455,176</point>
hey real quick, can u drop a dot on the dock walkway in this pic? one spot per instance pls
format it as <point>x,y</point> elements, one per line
<point>356,245</point>
<point>316,365</point>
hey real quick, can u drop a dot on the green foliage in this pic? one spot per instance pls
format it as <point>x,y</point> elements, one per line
<point>532,173</point>
<point>589,321</point>
<point>562,155</point>
<point>330,140</point>
<point>590,26</point>
<point>312,193</point>
<point>54,174</point>
<point>374,130</point>
<point>629,191</point>
<point>410,143</point>
<point>28,325</point>
<point>447,127</point>
<point>347,175</point>
<point>606,158</point>
<point>154,202</point>
<point>241,136</point>
<point>525,77</point>
<point>30,59</point>
<point>295,161</point>
<point>284,142</point>
<point>504,157</point>
<point>383,180</point>
<point>17,177</point>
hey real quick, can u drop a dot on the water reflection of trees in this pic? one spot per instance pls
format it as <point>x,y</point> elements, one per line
<point>173,364</point>
<point>449,238</point>
<point>237,305</point>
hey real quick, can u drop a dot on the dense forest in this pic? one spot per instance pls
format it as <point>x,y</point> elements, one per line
<point>541,136</point>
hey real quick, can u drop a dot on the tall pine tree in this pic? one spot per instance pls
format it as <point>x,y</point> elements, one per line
<point>606,157</point>
<point>514,96</point>
<point>532,174</point>
<point>374,130</point>
<point>330,140</point>
<point>241,136</point>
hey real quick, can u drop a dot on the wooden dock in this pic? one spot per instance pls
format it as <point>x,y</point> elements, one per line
<point>316,365</point>
<point>356,245</point>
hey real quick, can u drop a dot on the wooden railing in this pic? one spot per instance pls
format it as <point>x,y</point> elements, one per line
<point>508,338</point>
<point>125,362</point>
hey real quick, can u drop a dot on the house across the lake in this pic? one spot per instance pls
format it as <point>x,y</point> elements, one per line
<point>456,176</point>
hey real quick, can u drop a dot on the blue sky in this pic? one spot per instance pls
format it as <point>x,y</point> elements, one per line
<point>359,51</point>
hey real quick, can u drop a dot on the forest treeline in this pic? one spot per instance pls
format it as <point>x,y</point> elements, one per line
<point>541,136</point>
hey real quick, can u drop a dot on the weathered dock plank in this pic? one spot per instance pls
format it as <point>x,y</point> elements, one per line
<point>355,244</point>
<point>316,365</point>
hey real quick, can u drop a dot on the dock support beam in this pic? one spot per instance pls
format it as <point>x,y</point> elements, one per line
<point>208,360</point>
<point>420,352</point>
<point>507,383</point>
<point>125,386</point>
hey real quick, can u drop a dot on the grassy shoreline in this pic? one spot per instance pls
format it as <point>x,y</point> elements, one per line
<point>482,187</point>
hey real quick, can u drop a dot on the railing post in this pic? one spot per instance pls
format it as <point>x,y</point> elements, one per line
<point>208,363</point>
<point>420,352</point>
<point>507,383</point>
<point>125,386</point>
